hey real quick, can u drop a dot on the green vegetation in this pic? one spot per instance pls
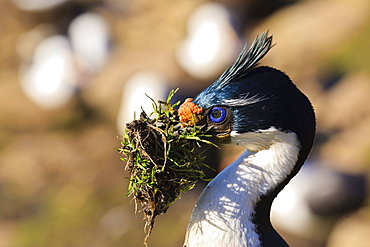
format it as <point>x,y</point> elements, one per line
<point>162,158</point>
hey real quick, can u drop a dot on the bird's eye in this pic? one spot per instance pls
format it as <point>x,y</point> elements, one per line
<point>217,114</point>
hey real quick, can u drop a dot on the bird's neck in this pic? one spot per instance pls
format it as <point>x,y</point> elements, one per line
<point>225,212</point>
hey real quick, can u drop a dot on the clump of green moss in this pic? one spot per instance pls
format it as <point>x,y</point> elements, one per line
<point>162,157</point>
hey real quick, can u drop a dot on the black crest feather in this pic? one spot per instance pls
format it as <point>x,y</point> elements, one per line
<point>247,59</point>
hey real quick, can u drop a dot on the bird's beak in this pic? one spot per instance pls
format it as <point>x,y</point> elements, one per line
<point>191,114</point>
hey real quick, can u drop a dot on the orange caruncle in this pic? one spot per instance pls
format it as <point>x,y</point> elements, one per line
<point>187,110</point>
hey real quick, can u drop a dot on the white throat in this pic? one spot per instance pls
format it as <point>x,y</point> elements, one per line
<point>223,213</point>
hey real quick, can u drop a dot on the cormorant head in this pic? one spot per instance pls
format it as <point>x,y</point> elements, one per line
<point>251,99</point>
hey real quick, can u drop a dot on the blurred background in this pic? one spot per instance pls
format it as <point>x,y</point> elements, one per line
<point>73,72</point>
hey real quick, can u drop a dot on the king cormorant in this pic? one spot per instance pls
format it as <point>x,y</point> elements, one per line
<point>260,109</point>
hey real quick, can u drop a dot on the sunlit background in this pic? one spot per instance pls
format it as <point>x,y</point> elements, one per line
<point>73,72</point>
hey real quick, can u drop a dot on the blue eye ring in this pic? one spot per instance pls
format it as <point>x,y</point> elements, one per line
<point>217,114</point>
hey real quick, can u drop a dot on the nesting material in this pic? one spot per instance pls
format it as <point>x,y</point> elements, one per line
<point>162,156</point>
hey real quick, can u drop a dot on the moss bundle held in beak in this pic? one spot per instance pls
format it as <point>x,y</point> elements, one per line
<point>162,158</point>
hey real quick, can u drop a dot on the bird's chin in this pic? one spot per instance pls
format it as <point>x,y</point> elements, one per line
<point>222,138</point>
<point>218,137</point>
<point>219,134</point>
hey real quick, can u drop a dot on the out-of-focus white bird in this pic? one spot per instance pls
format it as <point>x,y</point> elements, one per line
<point>90,38</point>
<point>38,5</point>
<point>315,199</point>
<point>134,97</point>
<point>49,80</point>
<point>61,65</point>
<point>212,42</point>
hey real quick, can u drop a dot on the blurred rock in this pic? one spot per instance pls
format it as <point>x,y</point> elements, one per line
<point>352,231</point>
<point>308,31</point>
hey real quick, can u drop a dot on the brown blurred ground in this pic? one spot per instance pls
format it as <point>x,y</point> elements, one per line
<point>60,176</point>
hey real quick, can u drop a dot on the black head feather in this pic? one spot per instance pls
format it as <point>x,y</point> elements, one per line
<point>246,61</point>
<point>260,97</point>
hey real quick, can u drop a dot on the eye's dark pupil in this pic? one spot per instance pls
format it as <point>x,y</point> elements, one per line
<point>216,114</point>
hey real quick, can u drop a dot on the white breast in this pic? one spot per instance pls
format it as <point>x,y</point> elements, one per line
<point>223,214</point>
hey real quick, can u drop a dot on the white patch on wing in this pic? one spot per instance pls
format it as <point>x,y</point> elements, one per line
<point>244,100</point>
<point>222,216</point>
